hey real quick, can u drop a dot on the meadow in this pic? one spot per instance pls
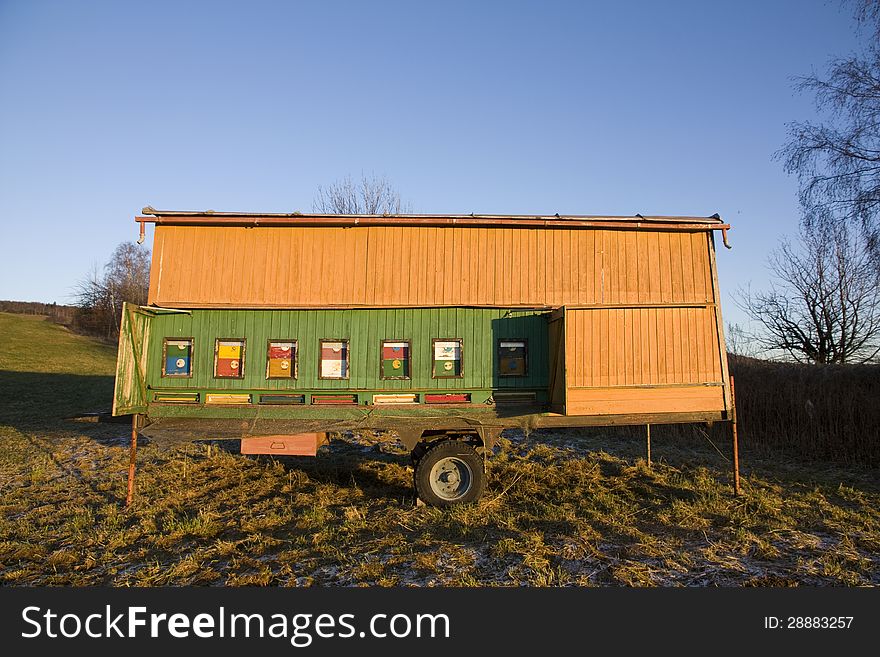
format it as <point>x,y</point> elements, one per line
<point>572,507</point>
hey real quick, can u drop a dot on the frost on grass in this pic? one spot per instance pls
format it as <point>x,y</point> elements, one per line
<point>562,508</point>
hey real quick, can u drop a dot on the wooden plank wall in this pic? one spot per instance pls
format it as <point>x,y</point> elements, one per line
<point>304,267</point>
<point>641,346</point>
<point>643,360</point>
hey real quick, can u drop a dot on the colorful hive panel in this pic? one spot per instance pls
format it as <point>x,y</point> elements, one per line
<point>334,359</point>
<point>511,358</point>
<point>178,358</point>
<point>395,360</point>
<point>229,361</point>
<point>447,358</point>
<point>281,357</point>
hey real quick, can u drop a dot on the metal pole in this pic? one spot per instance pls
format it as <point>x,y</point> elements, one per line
<point>648,426</point>
<point>132,454</point>
<point>736,488</point>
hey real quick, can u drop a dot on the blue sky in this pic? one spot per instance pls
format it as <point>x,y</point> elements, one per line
<point>501,107</point>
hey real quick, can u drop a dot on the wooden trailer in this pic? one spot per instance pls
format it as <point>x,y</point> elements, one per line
<point>278,329</point>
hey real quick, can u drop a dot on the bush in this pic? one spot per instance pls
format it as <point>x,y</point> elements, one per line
<point>826,412</point>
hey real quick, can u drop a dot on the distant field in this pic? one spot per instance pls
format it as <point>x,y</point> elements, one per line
<point>562,508</point>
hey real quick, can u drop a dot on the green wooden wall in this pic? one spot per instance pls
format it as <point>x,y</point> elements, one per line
<point>479,328</point>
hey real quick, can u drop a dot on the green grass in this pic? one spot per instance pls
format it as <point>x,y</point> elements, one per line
<point>31,344</point>
<point>48,373</point>
<point>562,507</point>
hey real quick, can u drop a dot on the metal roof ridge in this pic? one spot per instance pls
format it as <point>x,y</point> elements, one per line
<point>715,218</point>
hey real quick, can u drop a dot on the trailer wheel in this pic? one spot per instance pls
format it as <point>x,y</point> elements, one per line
<point>450,472</point>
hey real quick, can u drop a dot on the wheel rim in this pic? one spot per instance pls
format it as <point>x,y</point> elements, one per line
<point>451,478</point>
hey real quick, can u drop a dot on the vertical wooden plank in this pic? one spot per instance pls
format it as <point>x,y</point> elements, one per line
<point>638,354</point>
<point>699,323</point>
<point>359,265</point>
<point>687,268</point>
<point>599,269</point>
<point>552,269</point>
<point>712,359</point>
<point>453,264</point>
<point>388,266</point>
<point>622,341</point>
<point>581,328</point>
<point>509,264</point>
<point>655,281</point>
<point>529,266</point>
<point>666,292</point>
<point>626,265</point>
<point>448,268</point>
<point>541,264</point>
<point>431,266</point>
<point>178,241</point>
<point>322,256</point>
<point>562,263</point>
<point>427,266</point>
<point>391,267</point>
<point>663,332</point>
<point>701,263</point>
<point>649,354</point>
<point>565,238</point>
<point>486,282</point>
<point>256,275</point>
<point>605,378</point>
<point>467,272</point>
<point>612,271</point>
<point>290,267</point>
<point>370,269</point>
<point>524,256</point>
<point>156,268</point>
<point>591,265</point>
<point>676,273</point>
<point>496,266</point>
<point>642,275</point>
<point>519,257</point>
<point>719,332</point>
<point>691,277</point>
<point>610,366</point>
<point>404,271</point>
<point>619,340</point>
<point>632,267</point>
<point>270,274</point>
<point>691,347</point>
<point>384,253</point>
<point>586,339</point>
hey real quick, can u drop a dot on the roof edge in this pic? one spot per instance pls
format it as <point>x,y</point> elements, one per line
<point>303,217</point>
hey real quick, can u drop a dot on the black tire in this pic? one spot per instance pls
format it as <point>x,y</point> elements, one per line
<point>450,472</point>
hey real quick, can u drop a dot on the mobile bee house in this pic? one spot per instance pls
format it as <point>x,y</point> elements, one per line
<point>445,329</point>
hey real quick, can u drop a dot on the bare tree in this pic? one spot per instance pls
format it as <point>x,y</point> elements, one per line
<point>739,341</point>
<point>370,195</point>
<point>837,160</point>
<point>823,305</point>
<point>126,277</point>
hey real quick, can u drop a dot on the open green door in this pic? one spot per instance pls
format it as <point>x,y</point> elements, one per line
<point>130,393</point>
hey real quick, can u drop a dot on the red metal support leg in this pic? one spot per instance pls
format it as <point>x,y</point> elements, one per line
<point>132,455</point>
<point>736,488</point>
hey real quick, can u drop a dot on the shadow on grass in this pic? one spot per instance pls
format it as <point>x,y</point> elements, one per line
<point>342,464</point>
<point>39,401</point>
